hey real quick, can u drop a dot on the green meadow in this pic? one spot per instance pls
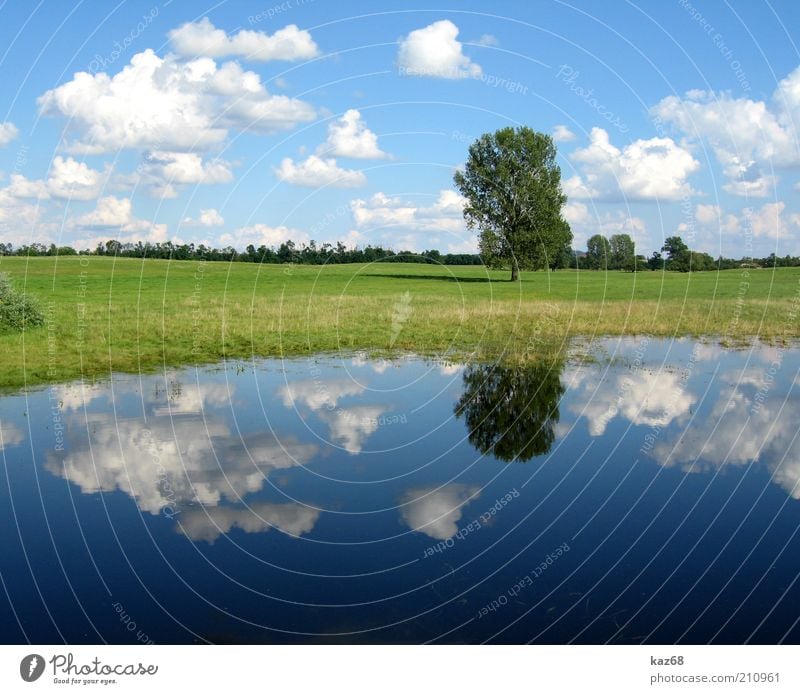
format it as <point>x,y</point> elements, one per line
<point>105,314</point>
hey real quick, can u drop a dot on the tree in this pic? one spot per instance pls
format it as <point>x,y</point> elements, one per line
<point>678,255</point>
<point>512,187</point>
<point>598,253</point>
<point>512,412</point>
<point>623,252</point>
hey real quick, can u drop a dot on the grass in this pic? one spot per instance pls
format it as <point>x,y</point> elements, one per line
<point>105,314</point>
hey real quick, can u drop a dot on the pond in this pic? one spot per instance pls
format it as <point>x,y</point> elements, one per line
<point>635,491</point>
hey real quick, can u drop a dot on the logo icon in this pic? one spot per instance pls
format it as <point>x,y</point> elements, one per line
<point>31,667</point>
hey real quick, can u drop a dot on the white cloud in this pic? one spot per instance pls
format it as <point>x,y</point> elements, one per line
<point>769,221</point>
<point>187,167</point>
<point>381,210</point>
<point>643,398</point>
<point>262,235</point>
<point>436,512</point>
<point>752,420</point>
<point>584,224</point>
<point>20,221</point>
<point>202,38</point>
<point>561,133</point>
<point>350,427</point>
<point>164,173</point>
<point>317,172</point>
<point>207,524</point>
<point>207,218</point>
<point>654,169</point>
<point>67,179</point>
<point>114,217</point>
<point>434,51</point>
<point>749,138</point>
<point>8,132</point>
<point>317,394</point>
<point>10,435</point>
<point>168,104</point>
<point>193,398</point>
<point>183,450</point>
<point>487,40</point>
<point>348,136</point>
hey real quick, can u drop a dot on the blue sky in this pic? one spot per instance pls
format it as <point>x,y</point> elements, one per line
<point>254,122</point>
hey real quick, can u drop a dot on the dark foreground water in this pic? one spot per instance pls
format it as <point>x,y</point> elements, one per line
<point>646,495</point>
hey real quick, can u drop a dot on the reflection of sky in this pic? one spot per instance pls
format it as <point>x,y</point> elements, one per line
<point>175,458</point>
<point>290,492</point>
<point>748,422</point>
<point>222,453</point>
<point>436,512</point>
<point>747,414</point>
<point>10,435</point>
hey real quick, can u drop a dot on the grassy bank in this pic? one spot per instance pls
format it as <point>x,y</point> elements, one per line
<point>105,314</point>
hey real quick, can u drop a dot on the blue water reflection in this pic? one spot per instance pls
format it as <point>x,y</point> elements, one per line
<point>635,491</point>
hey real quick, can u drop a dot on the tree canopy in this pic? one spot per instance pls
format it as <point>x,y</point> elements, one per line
<point>512,187</point>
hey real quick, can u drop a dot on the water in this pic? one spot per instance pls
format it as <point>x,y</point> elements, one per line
<point>640,491</point>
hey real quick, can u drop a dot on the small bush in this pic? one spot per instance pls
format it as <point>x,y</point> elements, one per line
<point>17,311</point>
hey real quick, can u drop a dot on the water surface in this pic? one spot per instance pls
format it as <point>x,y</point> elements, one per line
<point>638,491</point>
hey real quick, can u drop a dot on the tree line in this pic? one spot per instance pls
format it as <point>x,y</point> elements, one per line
<point>286,252</point>
<point>615,253</point>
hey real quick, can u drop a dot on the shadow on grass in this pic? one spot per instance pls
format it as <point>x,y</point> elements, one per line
<point>443,278</point>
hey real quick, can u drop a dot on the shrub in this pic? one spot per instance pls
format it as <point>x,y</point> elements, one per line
<point>17,311</point>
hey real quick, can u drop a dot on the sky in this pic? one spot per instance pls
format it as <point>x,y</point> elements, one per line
<point>233,123</point>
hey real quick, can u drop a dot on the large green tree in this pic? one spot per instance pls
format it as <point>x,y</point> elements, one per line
<point>512,187</point>
<point>512,412</point>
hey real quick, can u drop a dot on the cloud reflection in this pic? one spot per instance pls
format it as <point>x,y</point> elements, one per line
<point>436,511</point>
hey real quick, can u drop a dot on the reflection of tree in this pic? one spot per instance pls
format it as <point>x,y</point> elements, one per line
<point>511,412</point>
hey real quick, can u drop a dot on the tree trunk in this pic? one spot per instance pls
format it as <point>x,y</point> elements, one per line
<point>514,270</point>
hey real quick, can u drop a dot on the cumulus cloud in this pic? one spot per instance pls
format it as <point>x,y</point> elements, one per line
<point>8,132</point>
<point>317,394</point>
<point>10,435</point>
<point>114,217</point>
<point>20,220</point>
<point>163,174</point>
<point>753,420</point>
<point>769,221</point>
<point>643,398</point>
<point>654,169</point>
<point>749,138</point>
<point>349,136</point>
<point>434,51</point>
<point>318,172</point>
<point>585,223</point>
<point>436,512</point>
<point>173,462</point>
<point>262,235</point>
<point>350,427</point>
<point>167,104</point>
<point>207,524</point>
<point>381,210</point>
<point>561,133</point>
<point>67,179</point>
<point>207,218</point>
<point>202,38</point>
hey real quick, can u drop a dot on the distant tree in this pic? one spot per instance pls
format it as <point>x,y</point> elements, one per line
<point>655,261</point>
<point>678,255</point>
<point>512,187</point>
<point>623,252</point>
<point>598,253</point>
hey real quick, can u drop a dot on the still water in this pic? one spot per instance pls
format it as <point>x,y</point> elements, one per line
<point>637,491</point>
